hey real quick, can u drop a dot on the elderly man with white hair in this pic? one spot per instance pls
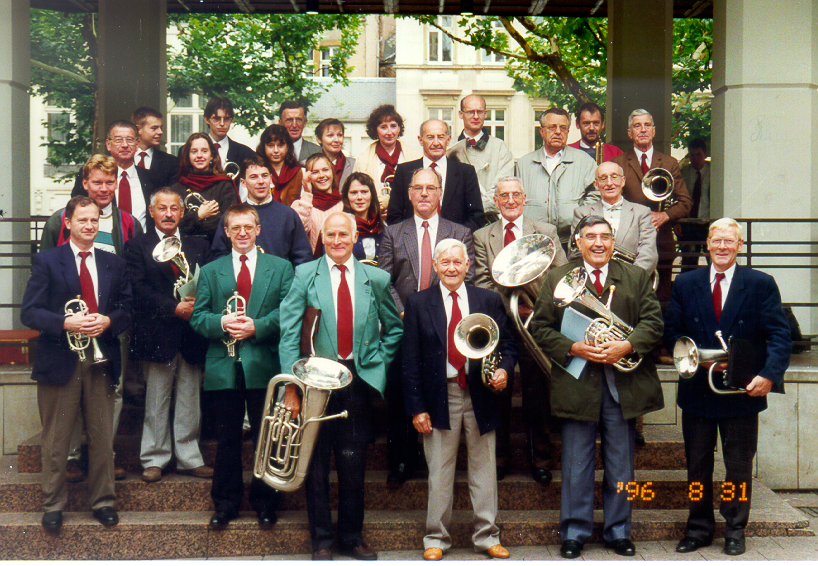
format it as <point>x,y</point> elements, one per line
<point>444,393</point>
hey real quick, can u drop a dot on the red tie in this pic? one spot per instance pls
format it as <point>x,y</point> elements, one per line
<point>124,201</point>
<point>471,141</point>
<point>344,316</point>
<point>142,157</point>
<point>243,282</point>
<point>509,237</point>
<point>597,282</point>
<point>644,164</point>
<point>717,295</point>
<point>433,167</point>
<point>457,359</point>
<point>425,258</point>
<point>87,285</point>
<point>175,269</point>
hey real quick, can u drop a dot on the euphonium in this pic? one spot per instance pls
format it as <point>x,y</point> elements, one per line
<point>476,336</point>
<point>235,305</point>
<point>170,249</point>
<point>687,358</point>
<point>79,341</point>
<point>627,256</point>
<point>285,444</point>
<point>610,327</point>
<point>657,186</point>
<point>193,200</point>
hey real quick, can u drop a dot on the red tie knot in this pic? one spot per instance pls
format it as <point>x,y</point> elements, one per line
<point>510,226</point>
<point>424,224</point>
<point>217,145</point>
<point>433,166</point>
<point>143,154</point>
<point>124,174</point>
<point>341,268</point>
<point>719,277</point>
<point>84,255</point>
<point>243,258</point>
<point>472,141</point>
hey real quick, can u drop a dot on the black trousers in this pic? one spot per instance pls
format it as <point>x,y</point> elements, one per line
<point>228,485</point>
<point>693,233</point>
<point>739,438</point>
<point>402,445</point>
<point>349,439</point>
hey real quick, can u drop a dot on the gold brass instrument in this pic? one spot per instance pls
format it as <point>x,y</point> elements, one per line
<point>687,358</point>
<point>170,249</point>
<point>193,200</point>
<point>235,305</point>
<point>600,150</point>
<point>79,341</point>
<point>232,170</point>
<point>657,186</point>
<point>476,336</point>
<point>386,191</point>
<point>285,444</point>
<point>521,266</point>
<point>610,327</point>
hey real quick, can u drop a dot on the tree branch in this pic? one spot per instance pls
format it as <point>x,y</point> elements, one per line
<point>71,75</point>
<point>489,48</point>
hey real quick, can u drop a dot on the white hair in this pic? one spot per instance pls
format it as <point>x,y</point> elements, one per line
<point>726,224</point>
<point>639,112</point>
<point>447,244</point>
<point>353,225</point>
<point>508,179</point>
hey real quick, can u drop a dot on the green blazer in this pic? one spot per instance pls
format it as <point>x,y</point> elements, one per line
<point>259,354</point>
<point>377,329</point>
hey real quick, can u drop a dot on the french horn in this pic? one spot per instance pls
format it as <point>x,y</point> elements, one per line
<point>170,249</point>
<point>79,341</point>
<point>476,336</point>
<point>687,357</point>
<point>657,186</point>
<point>235,305</point>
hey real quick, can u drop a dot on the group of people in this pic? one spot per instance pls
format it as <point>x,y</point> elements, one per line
<point>394,250</point>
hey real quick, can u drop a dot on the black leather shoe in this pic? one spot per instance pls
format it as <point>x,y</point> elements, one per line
<point>360,552</point>
<point>621,546</point>
<point>570,548</point>
<point>734,546</point>
<point>106,516</point>
<point>398,476</point>
<point>52,521</point>
<point>322,554</point>
<point>639,439</point>
<point>221,519</point>
<point>501,472</point>
<point>266,520</point>
<point>690,544</point>
<point>541,475</point>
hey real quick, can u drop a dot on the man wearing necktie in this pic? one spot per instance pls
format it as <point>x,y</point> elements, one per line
<point>262,280</point>
<point>602,398</point>
<point>510,200</point>
<point>697,179</point>
<point>66,385</point>
<point>360,328</point>
<point>406,254</point>
<point>162,166</point>
<point>744,304</point>
<point>445,395</point>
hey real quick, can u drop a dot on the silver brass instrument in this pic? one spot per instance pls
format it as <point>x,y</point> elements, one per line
<point>285,444</point>
<point>232,170</point>
<point>476,336</point>
<point>627,256</point>
<point>657,186</point>
<point>193,200</point>
<point>522,266</point>
<point>687,358</point>
<point>609,327</point>
<point>79,341</point>
<point>235,305</point>
<point>170,249</point>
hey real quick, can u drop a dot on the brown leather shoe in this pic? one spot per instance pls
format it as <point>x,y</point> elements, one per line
<point>360,552</point>
<point>498,551</point>
<point>432,553</point>
<point>119,473</point>
<point>200,472</point>
<point>322,554</point>
<point>73,472</point>
<point>152,474</point>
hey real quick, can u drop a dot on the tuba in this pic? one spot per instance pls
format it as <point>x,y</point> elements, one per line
<point>609,327</point>
<point>687,358</point>
<point>522,265</point>
<point>657,186</point>
<point>193,200</point>
<point>78,341</point>
<point>285,444</point>
<point>476,336</point>
<point>235,305</point>
<point>170,249</point>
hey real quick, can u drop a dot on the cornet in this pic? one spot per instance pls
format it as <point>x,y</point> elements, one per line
<point>657,186</point>
<point>170,249</point>
<point>79,341</point>
<point>687,358</point>
<point>476,336</point>
<point>193,200</point>
<point>235,305</point>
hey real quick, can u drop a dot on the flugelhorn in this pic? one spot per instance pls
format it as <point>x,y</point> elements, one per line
<point>170,249</point>
<point>476,336</point>
<point>285,444</point>
<point>79,341</point>
<point>235,305</point>
<point>687,358</point>
<point>657,186</point>
<point>193,200</point>
<point>610,327</point>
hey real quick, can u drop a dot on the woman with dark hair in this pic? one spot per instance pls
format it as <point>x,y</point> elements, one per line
<point>319,199</point>
<point>361,199</point>
<point>201,174</point>
<point>330,136</point>
<point>276,147</point>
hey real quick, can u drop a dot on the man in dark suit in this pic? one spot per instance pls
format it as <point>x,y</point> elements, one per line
<point>262,280</point>
<point>445,394</point>
<point>460,199</point>
<point>171,352</point>
<point>596,395</point>
<point>293,116</point>
<point>66,385</point>
<point>163,167</point>
<point>360,328</point>
<point>218,115</point>
<point>510,198</point>
<point>744,304</point>
<point>406,254</point>
<point>636,162</point>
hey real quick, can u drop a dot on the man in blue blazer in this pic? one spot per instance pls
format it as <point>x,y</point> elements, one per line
<point>742,303</point>
<point>67,386</point>
<point>444,394</point>
<point>361,329</point>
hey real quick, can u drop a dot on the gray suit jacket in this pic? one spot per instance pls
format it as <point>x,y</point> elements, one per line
<point>636,232</point>
<point>307,149</point>
<point>399,255</point>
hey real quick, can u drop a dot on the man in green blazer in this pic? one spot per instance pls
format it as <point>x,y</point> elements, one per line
<point>262,280</point>
<point>360,328</point>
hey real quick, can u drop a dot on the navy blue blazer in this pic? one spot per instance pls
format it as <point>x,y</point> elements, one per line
<point>158,334</point>
<point>164,168</point>
<point>751,311</point>
<point>425,340</point>
<point>238,152</point>
<point>54,281</point>
<point>145,183</point>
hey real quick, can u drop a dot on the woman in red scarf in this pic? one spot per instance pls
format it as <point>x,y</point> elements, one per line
<point>276,147</point>
<point>200,173</point>
<point>319,199</point>
<point>359,198</point>
<point>330,136</point>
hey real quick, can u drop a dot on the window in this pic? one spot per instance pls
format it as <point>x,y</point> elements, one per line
<point>327,53</point>
<point>488,58</point>
<point>440,44</point>
<point>442,114</point>
<point>185,118</point>
<point>495,123</point>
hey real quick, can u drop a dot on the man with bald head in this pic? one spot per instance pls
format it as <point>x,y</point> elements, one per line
<point>460,199</point>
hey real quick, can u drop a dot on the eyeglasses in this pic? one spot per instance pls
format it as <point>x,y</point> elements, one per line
<point>505,197</point>
<point>298,121</point>
<point>120,141</point>
<point>612,177</point>
<point>591,238</point>
<point>555,127</point>
<point>728,243</point>
<point>236,229</point>
<point>419,189</point>
<point>474,112</point>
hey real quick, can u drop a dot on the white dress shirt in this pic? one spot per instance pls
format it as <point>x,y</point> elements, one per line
<point>463,303</point>
<point>335,280</point>
<point>139,208</point>
<point>441,166</point>
<point>90,263</point>
<point>603,276</point>
<point>224,145</point>
<point>148,156</point>
<point>476,138</point>
<point>648,156</point>
<point>517,229</point>
<point>433,222</point>
<point>613,213</point>
<point>550,163</point>
<point>725,283</point>
<point>252,256</point>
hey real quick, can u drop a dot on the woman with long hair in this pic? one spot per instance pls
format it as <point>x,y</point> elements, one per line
<point>361,199</point>
<point>319,199</point>
<point>330,135</point>
<point>276,148</point>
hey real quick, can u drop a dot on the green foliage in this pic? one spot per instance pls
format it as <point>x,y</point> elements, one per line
<point>692,75</point>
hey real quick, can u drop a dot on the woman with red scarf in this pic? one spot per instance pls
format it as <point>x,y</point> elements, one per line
<point>319,199</point>
<point>330,136</point>
<point>360,198</point>
<point>200,173</point>
<point>276,147</point>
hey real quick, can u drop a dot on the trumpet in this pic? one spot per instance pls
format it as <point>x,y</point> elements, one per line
<point>79,341</point>
<point>476,336</point>
<point>657,186</point>
<point>607,328</point>
<point>235,305</point>
<point>193,200</point>
<point>170,249</point>
<point>687,358</point>
<point>285,444</point>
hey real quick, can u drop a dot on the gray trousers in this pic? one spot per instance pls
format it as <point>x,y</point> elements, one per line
<point>440,447</point>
